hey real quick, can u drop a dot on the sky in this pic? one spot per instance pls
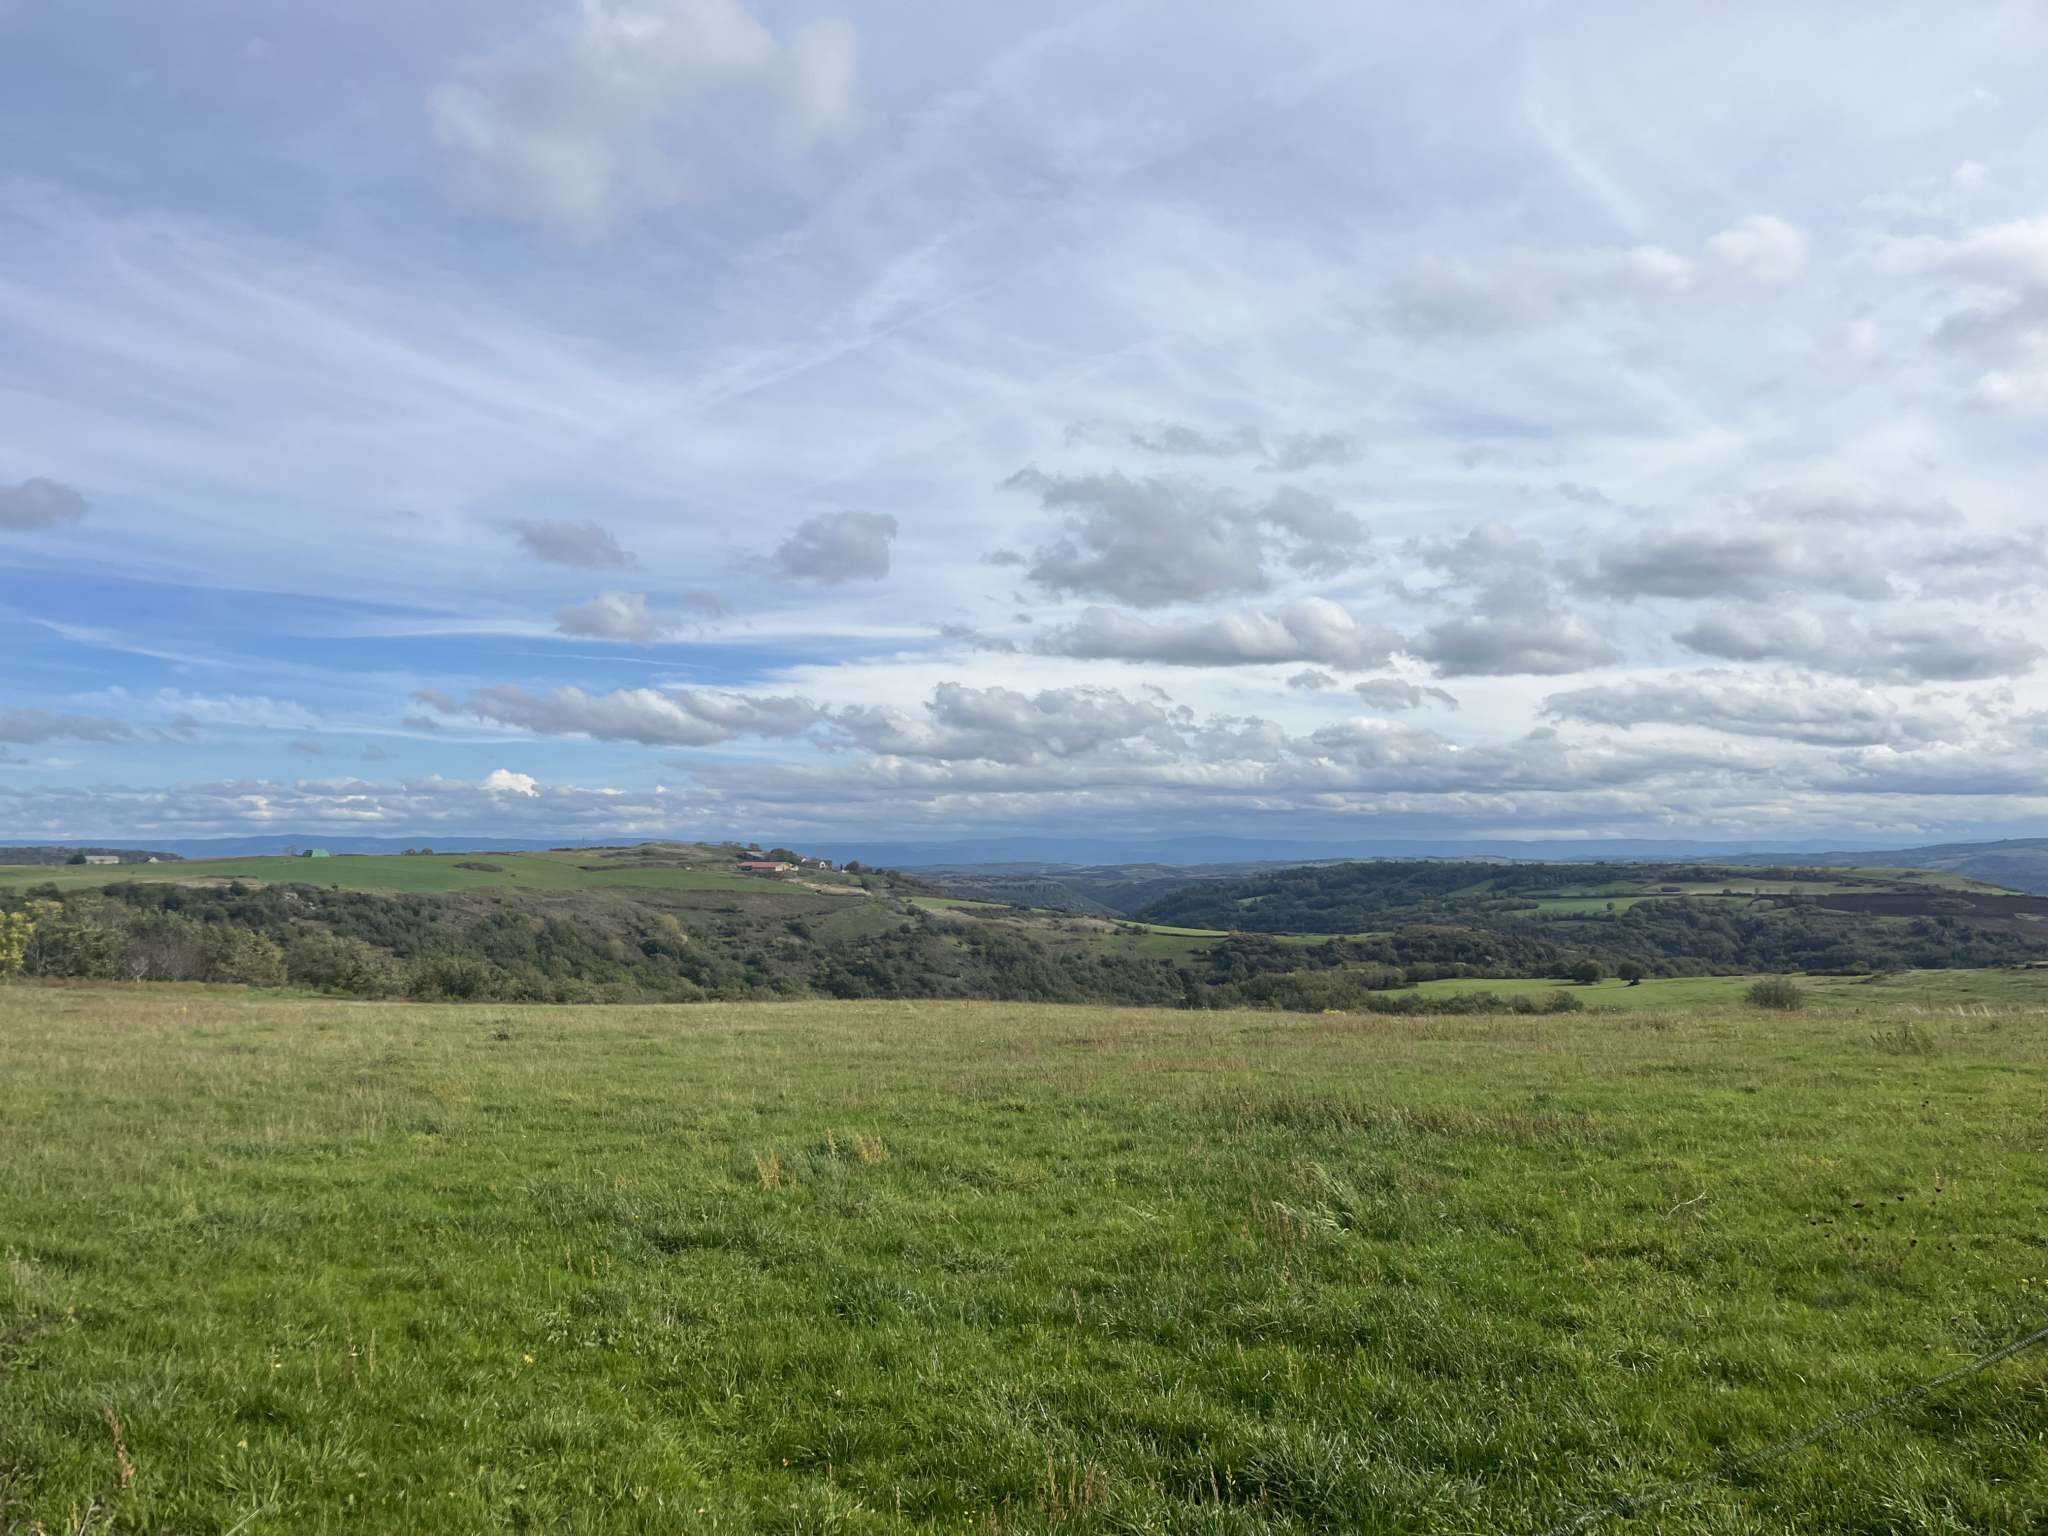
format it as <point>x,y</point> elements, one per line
<point>644,418</point>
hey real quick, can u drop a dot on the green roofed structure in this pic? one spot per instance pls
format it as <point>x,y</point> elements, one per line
<point>315,853</point>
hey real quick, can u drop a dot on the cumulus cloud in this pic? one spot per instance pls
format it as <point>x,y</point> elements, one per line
<point>1312,629</point>
<point>612,616</point>
<point>1162,540</point>
<point>503,781</point>
<point>1311,681</point>
<point>40,503</point>
<point>1748,565</point>
<point>837,546</point>
<point>572,544</point>
<point>614,107</point>
<point>664,717</point>
<point>1391,693</point>
<point>1513,625</point>
<point>1762,248</point>
<point>1005,726</point>
<point>1884,652</point>
<point>25,727</point>
<point>1830,717</point>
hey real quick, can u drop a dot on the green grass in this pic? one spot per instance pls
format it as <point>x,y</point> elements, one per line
<point>1903,989</point>
<point>414,873</point>
<point>971,1268</point>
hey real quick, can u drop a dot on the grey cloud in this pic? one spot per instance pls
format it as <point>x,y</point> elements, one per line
<point>1825,717</point>
<point>1436,297</point>
<point>1311,450</point>
<point>40,503</point>
<point>1488,552</point>
<point>309,748</point>
<point>583,544</point>
<point>1744,565</point>
<point>1312,681</point>
<point>1313,629</point>
<point>1585,495</point>
<point>2009,326</point>
<point>1822,505</point>
<point>837,546</point>
<point>1927,652</point>
<point>975,638</point>
<point>376,754</point>
<point>434,699</point>
<point>1004,726</point>
<point>612,616</point>
<point>1392,693</point>
<point>25,727</point>
<point>710,604</point>
<point>421,722</point>
<point>185,727</point>
<point>668,717</point>
<point>587,118</point>
<point>1509,633</point>
<point>1155,541</point>
<point>1170,438</point>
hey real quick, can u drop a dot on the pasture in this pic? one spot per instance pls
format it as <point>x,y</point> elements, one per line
<point>280,1265</point>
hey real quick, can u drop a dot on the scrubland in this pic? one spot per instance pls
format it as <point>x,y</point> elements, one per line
<point>280,1265</point>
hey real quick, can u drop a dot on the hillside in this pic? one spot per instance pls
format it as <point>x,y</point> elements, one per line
<point>2019,864</point>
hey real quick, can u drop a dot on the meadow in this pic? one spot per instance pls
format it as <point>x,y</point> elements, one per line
<point>303,1265</point>
<point>572,870</point>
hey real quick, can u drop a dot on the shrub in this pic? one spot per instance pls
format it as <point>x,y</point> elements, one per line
<point>1776,992</point>
<point>1632,972</point>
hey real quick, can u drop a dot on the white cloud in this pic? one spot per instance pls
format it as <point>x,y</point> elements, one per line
<point>1391,693</point>
<point>1905,651</point>
<point>502,781</point>
<point>612,616</point>
<point>1310,629</point>
<point>1762,248</point>
<point>25,727</point>
<point>1829,717</point>
<point>615,107</point>
<point>667,717</point>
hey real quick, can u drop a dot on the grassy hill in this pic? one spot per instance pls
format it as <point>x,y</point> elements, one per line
<point>282,1266</point>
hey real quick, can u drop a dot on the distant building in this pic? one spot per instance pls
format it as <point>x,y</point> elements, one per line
<point>817,864</point>
<point>764,866</point>
<point>314,853</point>
<point>102,858</point>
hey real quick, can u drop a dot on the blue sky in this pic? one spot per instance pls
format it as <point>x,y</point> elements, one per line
<point>661,417</point>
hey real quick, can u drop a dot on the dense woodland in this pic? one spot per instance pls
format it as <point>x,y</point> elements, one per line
<point>1410,923</point>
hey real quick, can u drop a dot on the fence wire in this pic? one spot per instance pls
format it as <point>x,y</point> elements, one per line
<point>1628,1504</point>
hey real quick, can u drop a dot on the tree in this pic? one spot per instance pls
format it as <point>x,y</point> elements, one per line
<point>1587,972</point>
<point>76,858</point>
<point>15,928</point>
<point>1632,972</point>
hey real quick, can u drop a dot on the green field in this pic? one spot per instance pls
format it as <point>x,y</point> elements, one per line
<point>2026,988</point>
<point>301,1266</point>
<point>420,873</point>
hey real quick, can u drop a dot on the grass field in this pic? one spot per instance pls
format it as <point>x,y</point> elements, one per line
<point>1902,990</point>
<point>305,1266</point>
<point>417,874</point>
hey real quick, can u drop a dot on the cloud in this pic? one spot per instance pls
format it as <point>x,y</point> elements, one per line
<point>185,727</point>
<point>1305,450</point>
<point>1163,540</point>
<point>40,503</point>
<point>502,781</point>
<point>616,106</point>
<point>420,723</point>
<point>1312,629</point>
<point>1836,717</point>
<point>1748,565</point>
<point>1171,438</point>
<point>1509,632</point>
<point>1527,289</point>
<point>309,748</point>
<point>1004,726</point>
<point>656,717</point>
<point>1513,624</point>
<point>1762,248</point>
<point>1391,693</point>
<point>612,616</point>
<point>1311,681</point>
<point>572,544</point>
<point>376,754</point>
<point>707,603</point>
<point>25,727</point>
<point>1903,652</point>
<point>837,546</point>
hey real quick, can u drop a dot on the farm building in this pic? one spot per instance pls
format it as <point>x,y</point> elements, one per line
<point>764,866</point>
<point>314,853</point>
<point>102,858</point>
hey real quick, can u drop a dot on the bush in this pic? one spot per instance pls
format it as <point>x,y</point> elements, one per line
<point>1776,992</point>
<point>1588,972</point>
<point>1632,972</point>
